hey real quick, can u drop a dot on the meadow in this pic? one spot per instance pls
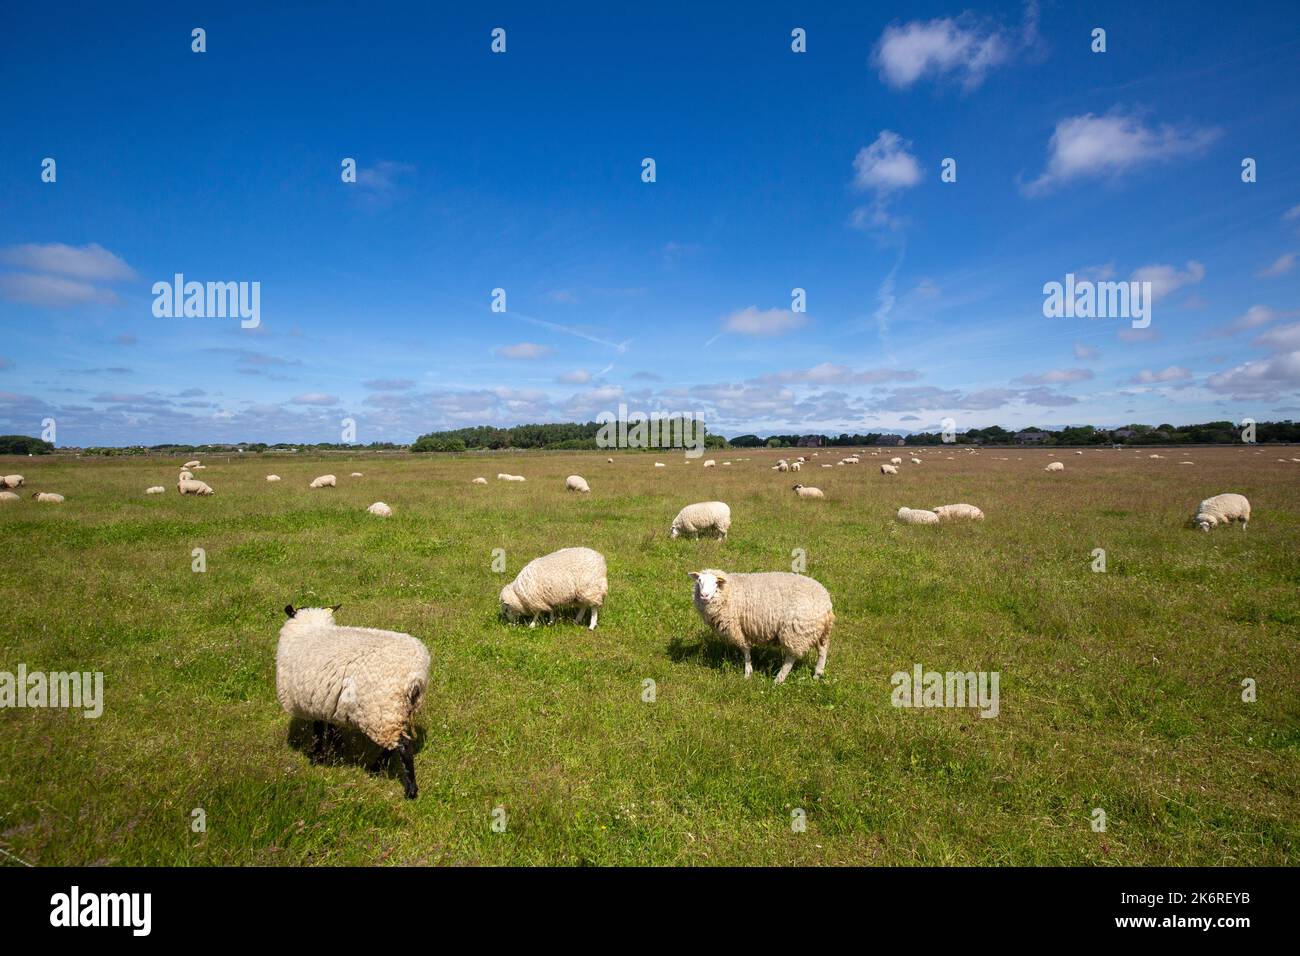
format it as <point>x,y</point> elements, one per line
<point>1120,690</point>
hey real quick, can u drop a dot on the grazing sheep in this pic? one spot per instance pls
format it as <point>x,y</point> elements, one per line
<point>576,483</point>
<point>917,516</point>
<point>916,461</point>
<point>789,610</point>
<point>479,481</point>
<point>1222,509</point>
<point>199,467</point>
<point>1078,453</point>
<point>189,486</point>
<point>324,481</point>
<point>356,474</point>
<point>780,466</point>
<point>888,470</point>
<point>701,517</point>
<point>568,578</point>
<point>726,464</point>
<point>710,463</point>
<point>185,476</point>
<point>660,464</point>
<point>609,461</point>
<point>48,496</point>
<point>1155,456</point>
<point>504,477</point>
<point>12,481</point>
<point>272,477</point>
<point>359,677</point>
<point>796,466</point>
<point>380,509</point>
<point>803,491</point>
<point>191,464</point>
<point>955,512</point>
<point>1053,466</point>
<point>895,461</point>
<point>8,496</point>
<point>155,490</point>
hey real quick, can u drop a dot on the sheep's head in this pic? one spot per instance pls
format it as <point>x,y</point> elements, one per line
<point>1204,522</point>
<point>511,606</point>
<point>709,584</point>
<point>797,487</point>
<point>311,615</point>
<point>674,532</point>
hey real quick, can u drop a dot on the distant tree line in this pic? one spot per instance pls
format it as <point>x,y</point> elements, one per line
<point>23,445</point>
<point>553,436</point>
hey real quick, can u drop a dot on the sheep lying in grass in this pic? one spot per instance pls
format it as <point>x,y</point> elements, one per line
<point>380,509</point>
<point>12,481</point>
<point>701,517</point>
<point>916,461</point>
<point>804,491</point>
<point>272,477</point>
<point>502,476</point>
<point>8,496</point>
<point>48,496</point>
<point>479,481</point>
<point>917,516</point>
<point>576,483</point>
<point>324,481</point>
<point>193,463</point>
<point>1054,466</point>
<point>888,470</point>
<point>609,461</point>
<point>956,512</point>
<point>568,578</point>
<point>710,463</point>
<point>155,490</point>
<point>660,464</point>
<point>359,677</point>
<point>788,610</point>
<point>189,486</point>
<point>895,461</point>
<point>1222,509</point>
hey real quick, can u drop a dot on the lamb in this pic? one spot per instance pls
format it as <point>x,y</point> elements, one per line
<point>358,677</point>
<point>710,463</point>
<point>380,509</point>
<point>570,577</point>
<point>8,496</point>
<point>789,610</point>
<point>701,517</point>
<point>479,481</point>
<point>1054,466</point>
<point>1222,509</point>
<point>155,490</point>
<point>191,464</point>
<point>888,470</point>
<point>504,477</point>
<point>188,486</point>
<point>917,516</point>
<point>803,491</point>
<point>12,481</point>
<point>48,496</point>
<point>272,477</point>
<point>324,481</point>
<point>955,512</point>
<point>576,483</point>
<point>895,461</point>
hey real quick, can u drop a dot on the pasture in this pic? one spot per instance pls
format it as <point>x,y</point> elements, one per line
<point>1119,690</point>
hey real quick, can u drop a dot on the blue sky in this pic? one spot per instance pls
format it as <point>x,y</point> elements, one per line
<point>775,170</point>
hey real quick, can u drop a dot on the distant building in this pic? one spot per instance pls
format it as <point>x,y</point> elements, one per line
<point>1029,437</point>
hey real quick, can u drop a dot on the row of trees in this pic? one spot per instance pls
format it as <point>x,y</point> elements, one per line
<point>558,435</point>
<point>24,445</point>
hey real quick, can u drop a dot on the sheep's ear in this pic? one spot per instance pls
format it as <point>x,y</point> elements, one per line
<point>722,578</point>
<point>335,607</point>
<point>693,575</point>
<point>289,611</point>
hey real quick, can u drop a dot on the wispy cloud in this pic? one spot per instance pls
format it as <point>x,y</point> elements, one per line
<point>1279,267</point>
<point>91,262</point>
<point>765,323</point>
<point>964,48</point>
<point>523,350</point>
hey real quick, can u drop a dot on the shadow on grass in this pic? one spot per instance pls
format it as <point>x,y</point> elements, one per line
<point>719,655</point>
<point>345,746</point>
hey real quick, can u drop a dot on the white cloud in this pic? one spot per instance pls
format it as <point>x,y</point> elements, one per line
<point>1265,379</point>
<point>886,164</point>
<point>524,350</point>
<point>959,47</point>
<point>314,398</point>
<point>1283,338</point>
<point>1082,351</point>
<point>1292,213</point>
<point>52,290</point>
<point>828,373</point>
<point>1090,146</point>
<point>1252,318</point>
<point>1057,376</point>
<point>1279,267</point>
<point>1166,279</point>
<point>91,262</point>
<point>767,323</point>
<point>1174,373</point>
<point>576,377</point>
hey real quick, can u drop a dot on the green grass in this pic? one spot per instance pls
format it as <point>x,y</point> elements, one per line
<point>1118,690</point>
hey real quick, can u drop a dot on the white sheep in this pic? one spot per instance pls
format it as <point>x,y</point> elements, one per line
<point>780,466</point>
<point>359,677</point>
<point>48,496</point>
<point>324,481</point>
<point>191,464</point>
<point>191,486</point>
<point>796,466</point>
<point>895,461</point>
<point>789,610</point>
<point>955,512</point>
<point>1222,509</point>
<point>504,477</point>
<point>380,509</point>
<point>660,464</point>
<point>479,481</point>
<point>1078,453</point>
<point>700,517</point>
<point>12,481</point>
<point>155,490</point>
<point>272,477</point>
<point>1053,466</point>
<point>576,483</point>
<point>199,467</point>
<point>916,461</point>
<point>710,463</point>
<point>8,496</point>
<point>568,578</point>
<point>917,516</point>
<point>185,476</point>
<point>888,469</point>
<point>804,491</point>
<point>356,474</point>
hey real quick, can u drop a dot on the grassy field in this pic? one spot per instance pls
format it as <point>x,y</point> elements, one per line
<point>1119,690</point>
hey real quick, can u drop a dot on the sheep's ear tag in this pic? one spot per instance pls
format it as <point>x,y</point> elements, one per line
<point>335,607</point>
<point>288,610</point>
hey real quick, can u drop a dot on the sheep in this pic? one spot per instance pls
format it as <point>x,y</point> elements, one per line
<point>1053,466</point>
<point>803,491</point>
<point>576,483</point>
<point>570,577</point>
<point>190,486</point>
<point>700,517</point>
<point>380,509</point>
<point>1078,453</point>
<point>780,466</point>
<point>917,516</point>
<point>796,466</point>
<point>272,477</point>
<point>356,474</point>
<point>916,461</point>
<point>191,464</point>
<point>8,496</point>
<point>660,464</point>
<point>479,481</point>
<point>358,677</point>
<point>324,481</point>
<point>888,470</point>
<point>710,463</point>
<point>12,481</point>
<point>789,610</point>
<point>155,490</point>
<point>504,477</point>
<point>609,461</point>
<point>954,512</point>
<point>726,464</point>
<point>48,496</point>
<point>895,461</point>
<point>1222,509</point>
<point>185,476</point>
<point>199,467</point>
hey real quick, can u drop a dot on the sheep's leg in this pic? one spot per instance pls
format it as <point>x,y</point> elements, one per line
<point>317,752</point>
<point>594,614</point>
<point>749,667</point>
<point>821,659</point>
<point>784,672</point>
<point>532,622</point>
<point>578,617</point>
<point>406,750</point>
